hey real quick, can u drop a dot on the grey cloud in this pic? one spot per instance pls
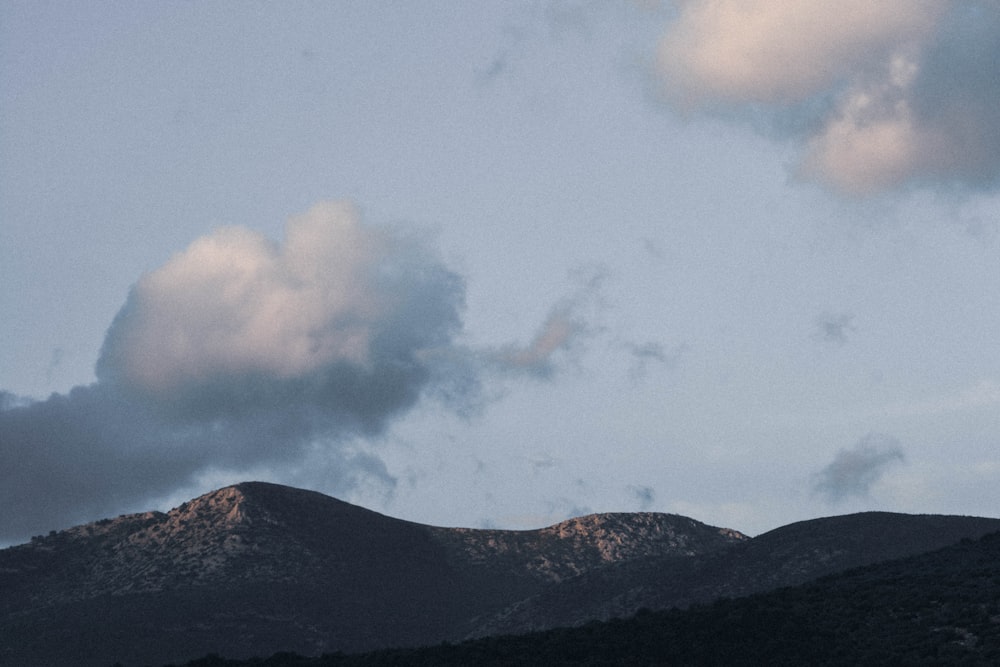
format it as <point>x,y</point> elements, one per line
<point>644,494</point>
<point>236,354</point>
<point>81,455</point>
<point>241,354</point>
<point>95,452</point>
<point>650,352</point>
<point>957,93</point>
<point>54,363</point>
<point>493,71</point>
<point>9,400</point>
<point>835,328</point>
<point>853,471</point>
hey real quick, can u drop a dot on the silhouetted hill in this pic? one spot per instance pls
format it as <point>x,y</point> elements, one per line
<point>255,568</point>
<point>786,556</point>
<point>939,608</point>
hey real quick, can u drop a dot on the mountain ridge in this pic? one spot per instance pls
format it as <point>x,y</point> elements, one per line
<point>935,608</point>
<point>256,568</point>
<point>787,556</point>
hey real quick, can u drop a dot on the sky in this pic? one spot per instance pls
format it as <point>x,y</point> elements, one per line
<point>499,264</point>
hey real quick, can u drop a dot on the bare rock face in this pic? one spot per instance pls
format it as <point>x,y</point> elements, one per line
<point>578,545</point>
<point>257,568</point>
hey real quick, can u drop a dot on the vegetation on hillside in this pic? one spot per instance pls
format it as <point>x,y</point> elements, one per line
<point>941,608</point>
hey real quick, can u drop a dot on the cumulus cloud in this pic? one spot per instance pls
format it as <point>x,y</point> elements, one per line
<point>780,51</point>
<point>235,303</point>
<point>891,93</point>
<point>241,353</point>
<point>853,471</point>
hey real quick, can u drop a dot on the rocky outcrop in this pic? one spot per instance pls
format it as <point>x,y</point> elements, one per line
<point>575,546</point>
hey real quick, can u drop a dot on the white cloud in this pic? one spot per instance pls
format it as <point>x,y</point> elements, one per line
<point>236,304</point>
<point>890,92</point>
<point>781,51</point>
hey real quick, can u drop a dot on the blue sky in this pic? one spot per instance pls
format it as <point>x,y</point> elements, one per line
<point>497,264</point>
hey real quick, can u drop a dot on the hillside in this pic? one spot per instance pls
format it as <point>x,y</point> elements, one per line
<point>940,608</point>
<point>258,568</point>
<point>786,556</point>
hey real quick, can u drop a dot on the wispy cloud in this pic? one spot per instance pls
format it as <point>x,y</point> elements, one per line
<point>54,363</point>
<point>557,333</point>
<point>983,395</point>
<point>885,93</point>
<point>543,461</point>
<point>650,352</point>
<point>853,471</point>
<point>568,323</point>
<point>835,327</point>
<point>645,495</point>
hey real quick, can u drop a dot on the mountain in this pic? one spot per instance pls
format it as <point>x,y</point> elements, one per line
<point>257,568</point>
<point>786,556</point>
<point>938,608</point>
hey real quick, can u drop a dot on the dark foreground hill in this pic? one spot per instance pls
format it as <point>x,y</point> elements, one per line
<point>258,568</point>
<point>941,608</point>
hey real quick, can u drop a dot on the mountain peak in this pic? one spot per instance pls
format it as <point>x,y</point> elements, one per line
<point>227,505</point>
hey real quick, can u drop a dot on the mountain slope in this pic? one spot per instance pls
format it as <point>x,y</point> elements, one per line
<point>256,568</point>
<point>786,556</point>
<point>936,608</point>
